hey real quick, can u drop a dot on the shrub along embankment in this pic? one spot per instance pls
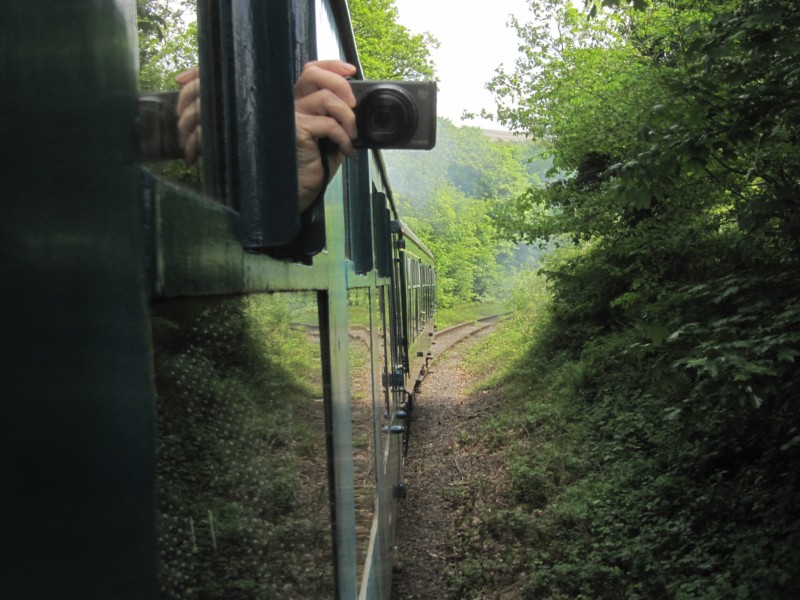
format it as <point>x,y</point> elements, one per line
<point>634,472</point>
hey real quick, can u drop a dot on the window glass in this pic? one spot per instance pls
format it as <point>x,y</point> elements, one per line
<point>168,51</point>
<point>383,341</point>
<point>243,493</point>
<point>363,421</point>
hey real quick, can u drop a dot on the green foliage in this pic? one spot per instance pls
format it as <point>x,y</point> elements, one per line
<point>449,196</point>
<point>167,46</point>
<point>388,50</point>
<point>594,5</point>
<point>653,436</point>
<point>728,349</point>
<point>678,173</point>
<point>468,160</point>
<point>463,313</point>
<point>614,497</point>
<point>526,302</point>
<point>167,42</point>
<point>459,232</point>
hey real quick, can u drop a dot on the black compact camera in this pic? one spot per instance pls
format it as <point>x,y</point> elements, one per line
<point>395,114</point>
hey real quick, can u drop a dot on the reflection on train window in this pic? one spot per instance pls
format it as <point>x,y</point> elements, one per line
<point>242,469</point>
<point>364,415</point>
<point>167,54</point>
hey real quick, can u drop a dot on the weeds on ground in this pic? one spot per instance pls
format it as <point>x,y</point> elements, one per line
<point>462,313</point>
<point>613,495</point>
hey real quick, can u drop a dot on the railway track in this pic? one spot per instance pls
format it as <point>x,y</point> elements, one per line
<point>363,456</point>
<point>444,338</point>
<point>450,336</point>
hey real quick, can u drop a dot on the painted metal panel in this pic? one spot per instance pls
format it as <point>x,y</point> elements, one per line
<point>262,134</point>
<point>359,211</point>
<point>76,455</point>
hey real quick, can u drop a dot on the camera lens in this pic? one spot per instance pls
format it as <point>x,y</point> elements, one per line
<point>386,116</point>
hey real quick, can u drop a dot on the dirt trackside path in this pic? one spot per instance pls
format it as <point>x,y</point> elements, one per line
<point>446,474</point>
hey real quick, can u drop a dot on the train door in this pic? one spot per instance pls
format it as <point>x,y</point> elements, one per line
<point>77,455</point>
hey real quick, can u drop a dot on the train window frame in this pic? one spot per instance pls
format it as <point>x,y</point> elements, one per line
<point>224,238</point>
<point>250,53</point>
<point>252,75</point>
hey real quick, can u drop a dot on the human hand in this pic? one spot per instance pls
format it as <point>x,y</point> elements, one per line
<point>188,109</point>
<point>323,104</point>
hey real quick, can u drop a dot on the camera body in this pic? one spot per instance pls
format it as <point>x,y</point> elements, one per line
<point>395,114</point>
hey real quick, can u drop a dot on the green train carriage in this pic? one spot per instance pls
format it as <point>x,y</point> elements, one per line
<point>126,331</point>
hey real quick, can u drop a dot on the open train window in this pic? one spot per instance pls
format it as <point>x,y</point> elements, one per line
<point>237,63</point>
<point>328,42</point>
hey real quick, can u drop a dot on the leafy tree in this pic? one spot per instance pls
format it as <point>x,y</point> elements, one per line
<point>467,159</point>
<point>699,177</point>
<point>387,49</point>
<point>673,131</point>
<point>450,196</point>
<point>167,41</point>
<point>459,232</point>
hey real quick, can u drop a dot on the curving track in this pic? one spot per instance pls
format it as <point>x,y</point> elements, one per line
<point>451,336</point>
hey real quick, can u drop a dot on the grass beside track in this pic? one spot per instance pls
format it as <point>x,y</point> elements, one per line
<point>464,313</point>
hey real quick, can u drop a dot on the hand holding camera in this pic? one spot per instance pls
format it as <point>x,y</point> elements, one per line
<point>324,107</point>
<point>349,114</point>
<point>344,114</point>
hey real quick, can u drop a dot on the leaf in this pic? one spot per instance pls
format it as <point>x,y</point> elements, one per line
<point>676,334</point>
<point>768,15</point>
<point>692,28</point>
<point>631,164</point>
<point>757,400</point>
<point>727,292</point>
<point>721,19</point>
<point>657,333</point>
<point>642,198</point>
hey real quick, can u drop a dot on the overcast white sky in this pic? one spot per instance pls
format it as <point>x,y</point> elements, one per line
<point>474,40</point>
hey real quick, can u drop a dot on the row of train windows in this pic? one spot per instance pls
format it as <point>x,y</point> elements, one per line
<point>420,274</point>
<point>421,290</point>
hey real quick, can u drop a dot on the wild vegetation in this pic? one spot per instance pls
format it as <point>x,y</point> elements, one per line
<point>652,431</point>
<point>167,41</point>
<point>449,196</point>
<point>387,49</point>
